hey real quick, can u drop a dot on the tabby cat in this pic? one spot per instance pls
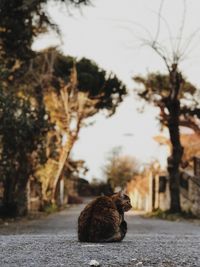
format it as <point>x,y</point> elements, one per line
<point>102,220</point>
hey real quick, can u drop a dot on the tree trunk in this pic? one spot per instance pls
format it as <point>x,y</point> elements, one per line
<point>63,158</point>
<point>21,199</point>
<point>14,203</point>
<point>173,106</point>
<point>15,197</point>
<point>175,159</point>
<point>9,208</point>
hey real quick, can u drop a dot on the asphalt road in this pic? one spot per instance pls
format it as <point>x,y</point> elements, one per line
<point>52,241</point>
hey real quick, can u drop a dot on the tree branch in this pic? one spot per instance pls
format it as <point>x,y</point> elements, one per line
<point>189,123</point>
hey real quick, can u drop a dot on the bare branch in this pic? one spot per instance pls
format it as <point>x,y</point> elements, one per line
<point>190,39</point>
<point>180,35</point>
<point>135,23</point>
<point>162,55</point>
<point>168,29</point>
<point>189,123</point>
<point>159,17</point>
<point>188,111</point>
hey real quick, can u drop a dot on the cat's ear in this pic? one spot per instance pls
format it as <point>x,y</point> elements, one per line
<point>121,193</point>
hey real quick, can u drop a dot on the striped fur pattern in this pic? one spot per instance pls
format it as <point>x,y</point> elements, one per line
<point>102,220</point>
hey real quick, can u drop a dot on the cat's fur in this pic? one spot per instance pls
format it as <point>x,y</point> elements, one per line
<point>102,220</point>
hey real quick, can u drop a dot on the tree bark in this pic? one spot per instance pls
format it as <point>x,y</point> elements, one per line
<point>20,198</point>
<point>14,200</point>
<point>174,161</point>
<point>15,197</point>
<point>63,158</point>
<point>9,206</point>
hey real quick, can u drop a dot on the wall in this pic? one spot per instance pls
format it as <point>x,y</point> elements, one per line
<point>139,191</point>
<point>190,193</point>
<point>150,190</point>
<point>189,190</point>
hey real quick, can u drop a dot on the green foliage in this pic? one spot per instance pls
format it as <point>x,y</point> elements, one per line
<point>156,89</point>
<point>22,126</point>
<point>23,129</point>
<point>51,208</point>
<point>156,86</point>
<point>108,89</point>
<point>23,119</point>
<point>20,22</point>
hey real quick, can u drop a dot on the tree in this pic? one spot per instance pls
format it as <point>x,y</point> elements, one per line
<point>165,92</point>
<point>75,90</point>
<point>94,81</point>
<point>172,97</point>
<point>120,169</point>
<point>23,128</point>
<point>155,87</point>
<point>170,102</point>
<point>20,22</point>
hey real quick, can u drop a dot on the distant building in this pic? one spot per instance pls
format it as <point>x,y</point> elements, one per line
<point>150,190</point>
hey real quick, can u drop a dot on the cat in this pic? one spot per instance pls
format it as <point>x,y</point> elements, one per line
<point>102,220</point>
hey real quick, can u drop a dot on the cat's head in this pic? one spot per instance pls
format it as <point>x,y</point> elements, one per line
<point>122,201</point>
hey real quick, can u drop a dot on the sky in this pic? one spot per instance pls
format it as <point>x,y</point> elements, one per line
<point>115,33</point>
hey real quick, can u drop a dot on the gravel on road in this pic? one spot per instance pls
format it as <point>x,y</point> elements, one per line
<point>52,241</point>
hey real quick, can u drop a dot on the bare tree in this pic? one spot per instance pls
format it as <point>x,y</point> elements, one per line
<point>120,169</point>
<point>170,103</point>
<point>76,107</point>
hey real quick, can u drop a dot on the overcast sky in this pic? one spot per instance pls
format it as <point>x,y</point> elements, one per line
<point>113,34</point>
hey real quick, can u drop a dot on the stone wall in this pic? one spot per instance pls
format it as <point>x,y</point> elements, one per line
<point>189,190</point>
<point>161,191</point>
<point>190,193</point>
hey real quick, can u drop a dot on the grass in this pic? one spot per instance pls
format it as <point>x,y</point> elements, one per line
<point>167,215</point>
<point>51,208</point>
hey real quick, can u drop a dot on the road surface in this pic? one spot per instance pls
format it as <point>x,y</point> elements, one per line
<point>52,241</point>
